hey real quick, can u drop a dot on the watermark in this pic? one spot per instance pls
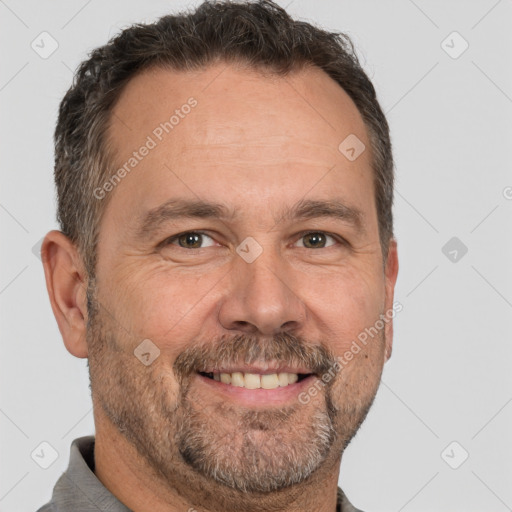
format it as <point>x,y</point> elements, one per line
<point>507,193</point>
<point>45,45</point>
<point>146,352</point>
<point>454,249</point>
<point>455,455</point>
<point>341,361</point>
<point>454,45</point>
<point>151,142</point>
<point>351,147</point>
<point>36,248</point>
<point>249,249</point>
<point>44,455</point>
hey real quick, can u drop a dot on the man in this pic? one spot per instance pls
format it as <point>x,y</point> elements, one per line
<point>225,186</point>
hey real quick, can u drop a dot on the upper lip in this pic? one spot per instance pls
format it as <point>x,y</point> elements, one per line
<point>267,370</point>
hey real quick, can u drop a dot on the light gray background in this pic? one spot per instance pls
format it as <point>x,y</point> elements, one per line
<point>449,377</point>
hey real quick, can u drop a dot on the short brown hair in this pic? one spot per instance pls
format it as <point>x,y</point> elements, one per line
<point>260,34</point>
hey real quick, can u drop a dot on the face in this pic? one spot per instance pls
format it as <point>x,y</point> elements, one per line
<point>243,241</point>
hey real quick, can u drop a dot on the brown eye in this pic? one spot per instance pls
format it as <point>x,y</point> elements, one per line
<point>191,240</point>
<point>316,240</point>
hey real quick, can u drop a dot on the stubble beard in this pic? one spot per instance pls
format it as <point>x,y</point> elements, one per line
<point>185,437</point>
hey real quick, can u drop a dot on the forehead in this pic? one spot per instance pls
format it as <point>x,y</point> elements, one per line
<point>306,103</point>
<point>227,126</point>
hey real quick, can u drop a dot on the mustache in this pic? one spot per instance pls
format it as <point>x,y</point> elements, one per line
<point>245,349</point>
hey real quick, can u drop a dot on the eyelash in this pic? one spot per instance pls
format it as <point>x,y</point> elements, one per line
<point>168,241</point>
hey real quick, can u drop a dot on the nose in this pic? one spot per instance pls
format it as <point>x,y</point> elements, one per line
<point>261,298</point>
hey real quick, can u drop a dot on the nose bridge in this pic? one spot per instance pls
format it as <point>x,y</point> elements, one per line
<point>265,281</point>
<point>261,297</point>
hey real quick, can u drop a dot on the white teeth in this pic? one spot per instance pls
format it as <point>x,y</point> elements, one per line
<point>225,377</point>
<point>256,381</point>
<point>283,379</point>
<point>292,378</point>
<point>270,381</point>
<point>237,379</point>
<point>252,381</point>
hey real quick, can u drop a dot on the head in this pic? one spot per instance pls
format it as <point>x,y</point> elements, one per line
<point>225,189</point>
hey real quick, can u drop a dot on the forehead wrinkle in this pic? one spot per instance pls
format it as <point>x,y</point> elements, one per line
<point>270,141</point>
<point>301,151</point>
<point>246,163</point>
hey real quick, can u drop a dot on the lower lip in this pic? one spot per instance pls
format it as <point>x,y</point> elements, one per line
<point>260,396</point>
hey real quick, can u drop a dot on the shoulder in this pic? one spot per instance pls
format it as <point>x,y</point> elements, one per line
<point>47,508</point>
<point>343,504</point>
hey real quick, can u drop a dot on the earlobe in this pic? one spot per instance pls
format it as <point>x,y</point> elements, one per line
<point>66,282</point>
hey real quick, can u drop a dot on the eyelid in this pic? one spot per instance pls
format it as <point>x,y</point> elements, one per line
<point>169,240</point>
<point>337,238</point>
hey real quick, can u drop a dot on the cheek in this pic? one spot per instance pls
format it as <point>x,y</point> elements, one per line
<point>346,302</point>
<point>163,306</point>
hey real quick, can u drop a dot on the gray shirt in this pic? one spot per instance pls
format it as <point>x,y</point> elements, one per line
<point>78,489</point>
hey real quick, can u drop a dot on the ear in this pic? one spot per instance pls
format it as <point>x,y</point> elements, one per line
<point>66,282</point>
<point>391,273</point>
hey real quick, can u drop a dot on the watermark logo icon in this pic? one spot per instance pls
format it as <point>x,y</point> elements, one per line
<point>146,352</point>
<point>454,455</point>
<point>454,45</point>
<point>36,248</point>
<point>44,455</point>
<point>352,147</point>
<point>249,249</point>
<point>45,45</point>
<point>454,249</point>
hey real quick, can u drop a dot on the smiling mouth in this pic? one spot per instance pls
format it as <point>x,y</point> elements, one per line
<point>256,380</point>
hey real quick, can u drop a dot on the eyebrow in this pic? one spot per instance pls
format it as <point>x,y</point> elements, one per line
<point>176,209</point>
